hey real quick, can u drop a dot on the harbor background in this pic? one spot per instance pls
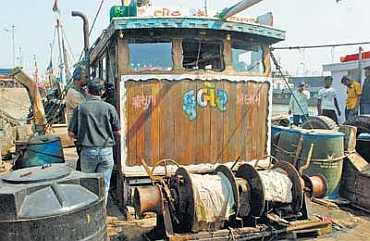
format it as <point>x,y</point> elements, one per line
<point>283,109</point>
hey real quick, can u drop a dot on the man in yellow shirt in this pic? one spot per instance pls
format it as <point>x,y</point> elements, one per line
<point>354,92</point>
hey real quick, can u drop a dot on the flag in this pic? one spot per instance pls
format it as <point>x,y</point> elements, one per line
<point>55,7</point>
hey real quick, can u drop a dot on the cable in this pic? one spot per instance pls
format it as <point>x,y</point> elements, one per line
<point>69,46</point>
<point>278,68</point>
<point>319,46</point>
<point>96,16</point>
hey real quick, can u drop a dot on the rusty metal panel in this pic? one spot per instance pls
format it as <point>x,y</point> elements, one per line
<point>196,121</point>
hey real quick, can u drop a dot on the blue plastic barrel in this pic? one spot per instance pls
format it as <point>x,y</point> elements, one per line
<point>363,146</point>
<point>41,150</point>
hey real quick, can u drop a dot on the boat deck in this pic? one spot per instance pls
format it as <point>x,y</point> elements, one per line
<point>348,223</point>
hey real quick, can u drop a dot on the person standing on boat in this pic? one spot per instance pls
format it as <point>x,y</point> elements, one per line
<point>365,97</point>
<point>354,92</point>
<point>95,125</point>
<point>327,104</point>
<point>76,94</point>
<point>298,104</point>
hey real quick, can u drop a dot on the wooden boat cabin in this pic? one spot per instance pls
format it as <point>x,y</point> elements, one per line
<point>189,88</point>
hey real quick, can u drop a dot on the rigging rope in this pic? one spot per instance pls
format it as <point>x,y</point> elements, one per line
<point>319,46</point>
<point>278,68</point>
<point>69,46</point>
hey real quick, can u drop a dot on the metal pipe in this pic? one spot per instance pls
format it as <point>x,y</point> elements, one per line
<point>319,186</point>
<point>237,8</point>
<point>147,199</point>
<point>85,31</point>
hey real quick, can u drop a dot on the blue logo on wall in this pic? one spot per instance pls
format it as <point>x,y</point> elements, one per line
<point>206,96</point>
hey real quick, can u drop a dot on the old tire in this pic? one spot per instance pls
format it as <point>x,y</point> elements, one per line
<point>319,122</point>
<point>362,123</point>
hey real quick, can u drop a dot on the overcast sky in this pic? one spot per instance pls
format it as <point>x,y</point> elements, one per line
<point>307,22</point>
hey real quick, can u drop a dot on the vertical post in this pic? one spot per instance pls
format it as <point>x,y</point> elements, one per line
<point>228,55</point>
<point>206,7</point>
<point>20,57</point>
<point>65,58</point>
<point>13,44</point>
<point>50,69</point>
<point>360,69</point>
<point>360,64</point>
<point>61,64</point>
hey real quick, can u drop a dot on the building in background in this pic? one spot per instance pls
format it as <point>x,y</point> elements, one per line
<point>353,68</point>
<point>6,81</point>
<point>281,93</point>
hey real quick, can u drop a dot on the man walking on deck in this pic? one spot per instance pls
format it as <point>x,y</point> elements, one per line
<point>354,92</point>
<point>95,125</point>
<point>298,104</point>
<point>76,94</point>
<point>327,102</point>
<point>365,97</point>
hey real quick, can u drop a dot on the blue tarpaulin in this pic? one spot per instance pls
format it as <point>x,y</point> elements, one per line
<point>5,72</point>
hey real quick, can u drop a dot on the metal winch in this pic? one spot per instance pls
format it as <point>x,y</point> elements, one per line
<point>191,203</point>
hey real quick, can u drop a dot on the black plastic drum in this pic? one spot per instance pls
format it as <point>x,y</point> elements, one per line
<point>52,203</point>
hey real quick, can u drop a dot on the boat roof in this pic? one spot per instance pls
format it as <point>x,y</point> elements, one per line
<point>238,25</point>
<point>201,23</point>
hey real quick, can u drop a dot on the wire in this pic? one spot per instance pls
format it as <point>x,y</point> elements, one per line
<point>96,16</point>
<point>278,68</point>
<point>319,46</point>
<point>69,46</point>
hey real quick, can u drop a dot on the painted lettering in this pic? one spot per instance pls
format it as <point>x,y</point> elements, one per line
<point>143,101</point>
<point>206,96</point>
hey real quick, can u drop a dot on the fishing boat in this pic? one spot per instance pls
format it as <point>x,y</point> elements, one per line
<point>197,157</point>
<point>194,95</point>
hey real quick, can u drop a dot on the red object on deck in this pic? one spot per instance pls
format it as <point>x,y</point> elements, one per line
<point>354,57</point>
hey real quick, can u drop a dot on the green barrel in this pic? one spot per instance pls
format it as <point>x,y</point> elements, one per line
<point>287,140</point>
<point>327,157</point>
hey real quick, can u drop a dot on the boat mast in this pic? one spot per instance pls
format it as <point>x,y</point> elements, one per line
<point>36,73</point>
<point>65,57</point>
<point>60,48</point>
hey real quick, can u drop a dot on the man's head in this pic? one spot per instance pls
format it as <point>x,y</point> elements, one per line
<point>79,76</point>
<point>346,81</point>
<point>301,86</point>
<point>328,81</point>
<point>367,72</point>
<point>95,87</point>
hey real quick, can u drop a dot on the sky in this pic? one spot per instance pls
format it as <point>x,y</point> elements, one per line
<point>306,22</point>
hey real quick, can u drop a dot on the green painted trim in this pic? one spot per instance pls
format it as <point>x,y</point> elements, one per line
<point>197,23</point>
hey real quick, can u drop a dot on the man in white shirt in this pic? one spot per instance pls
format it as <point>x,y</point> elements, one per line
<point>327,102</point>
<point>298,104</point>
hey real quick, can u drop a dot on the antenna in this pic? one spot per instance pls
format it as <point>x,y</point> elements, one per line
<point>206,7</point>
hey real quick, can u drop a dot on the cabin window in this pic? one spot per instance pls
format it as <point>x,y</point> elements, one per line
<point>247,57</point>
<point>150,56</point>
<point>203,54</point>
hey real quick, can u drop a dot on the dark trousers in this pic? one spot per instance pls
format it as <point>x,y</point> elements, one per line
<point>351,113</point>
<point>331,114</point>
<point>365,108</point>
<point>299,119</point>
